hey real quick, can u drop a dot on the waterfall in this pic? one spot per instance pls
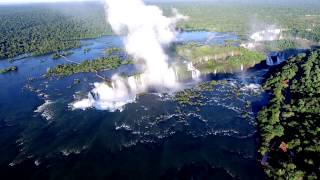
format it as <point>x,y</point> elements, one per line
<point>194,71</point>
<point>275,58</point>
<point>146,31</point>
<point>269,61</point>
<point>113,96</point>
<point>278,59</point>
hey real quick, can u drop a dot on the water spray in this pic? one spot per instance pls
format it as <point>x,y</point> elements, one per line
<point>146,33</point>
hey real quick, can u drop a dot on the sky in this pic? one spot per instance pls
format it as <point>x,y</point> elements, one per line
<point>37,1</point>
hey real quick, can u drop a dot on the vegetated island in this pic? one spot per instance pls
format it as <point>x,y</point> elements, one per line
<point>214,58</point>
<point>59,55</point>
<point>289,124</point>
<point>104,63</point>
<point>9,69</point>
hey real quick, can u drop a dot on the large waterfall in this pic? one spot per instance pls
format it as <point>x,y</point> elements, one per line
<point>146,32</point>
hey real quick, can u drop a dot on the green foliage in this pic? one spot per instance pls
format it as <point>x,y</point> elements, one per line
<point>280,45</point>
<point>9,69</point>
<point>210,58</point>
<point>194,96</point>
<point>58,55</point>
<point>293,114</point>
<point>40,29</point>
<point>112,51</point>
<point>105,63</point>
<point>301,20</point>
<point>188,97</point>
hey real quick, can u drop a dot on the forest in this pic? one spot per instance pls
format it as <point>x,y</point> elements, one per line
<point>45,28</point>
<point>300,20</point>
<point>289,125</point>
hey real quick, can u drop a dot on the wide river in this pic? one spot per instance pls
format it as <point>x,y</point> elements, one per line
<point>152,138</point>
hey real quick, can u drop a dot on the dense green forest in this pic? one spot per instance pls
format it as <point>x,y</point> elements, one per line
<point>43,28</point>
<point>289,125</point>
<point>302,20</point>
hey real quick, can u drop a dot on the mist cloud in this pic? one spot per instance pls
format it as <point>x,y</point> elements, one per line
<point>146,33</point>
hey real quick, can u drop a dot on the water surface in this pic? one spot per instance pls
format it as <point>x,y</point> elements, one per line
<point>153,138</point>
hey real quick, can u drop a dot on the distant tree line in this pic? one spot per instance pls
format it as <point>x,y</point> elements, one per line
<point>300,20</point>
<point>41,29</point>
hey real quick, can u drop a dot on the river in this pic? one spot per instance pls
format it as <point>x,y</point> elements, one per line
<point>152,138</point>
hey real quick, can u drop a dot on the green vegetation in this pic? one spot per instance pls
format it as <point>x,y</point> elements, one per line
<point>189,97</point>
<point>301,20</point>
<point>280,45</point>
<point>289,125</point>
<point>218,58</point>
<point>194,96</point>
<point>42,28</point>
<point>112,51</point>
<point>104,63</point>
<point>58,55</point>
<point>9,69</point>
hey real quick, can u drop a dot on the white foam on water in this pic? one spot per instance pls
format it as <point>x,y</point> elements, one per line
<point>112,96</point>
<point>45,111</point>
<point>251,87</point>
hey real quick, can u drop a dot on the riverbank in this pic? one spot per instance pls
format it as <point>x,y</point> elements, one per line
<point>289,123</point>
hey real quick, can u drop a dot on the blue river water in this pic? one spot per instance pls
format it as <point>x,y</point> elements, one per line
<point>153,138</point>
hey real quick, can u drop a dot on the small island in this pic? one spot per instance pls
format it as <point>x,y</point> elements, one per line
<point>9,69</point>
<point>61,54</point>
<point>214,58</point>
<point>104,63</point>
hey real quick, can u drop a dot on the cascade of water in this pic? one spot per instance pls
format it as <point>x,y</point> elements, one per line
<point>269,61</point>
<point>279,60</point>
<point>194,71</point>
